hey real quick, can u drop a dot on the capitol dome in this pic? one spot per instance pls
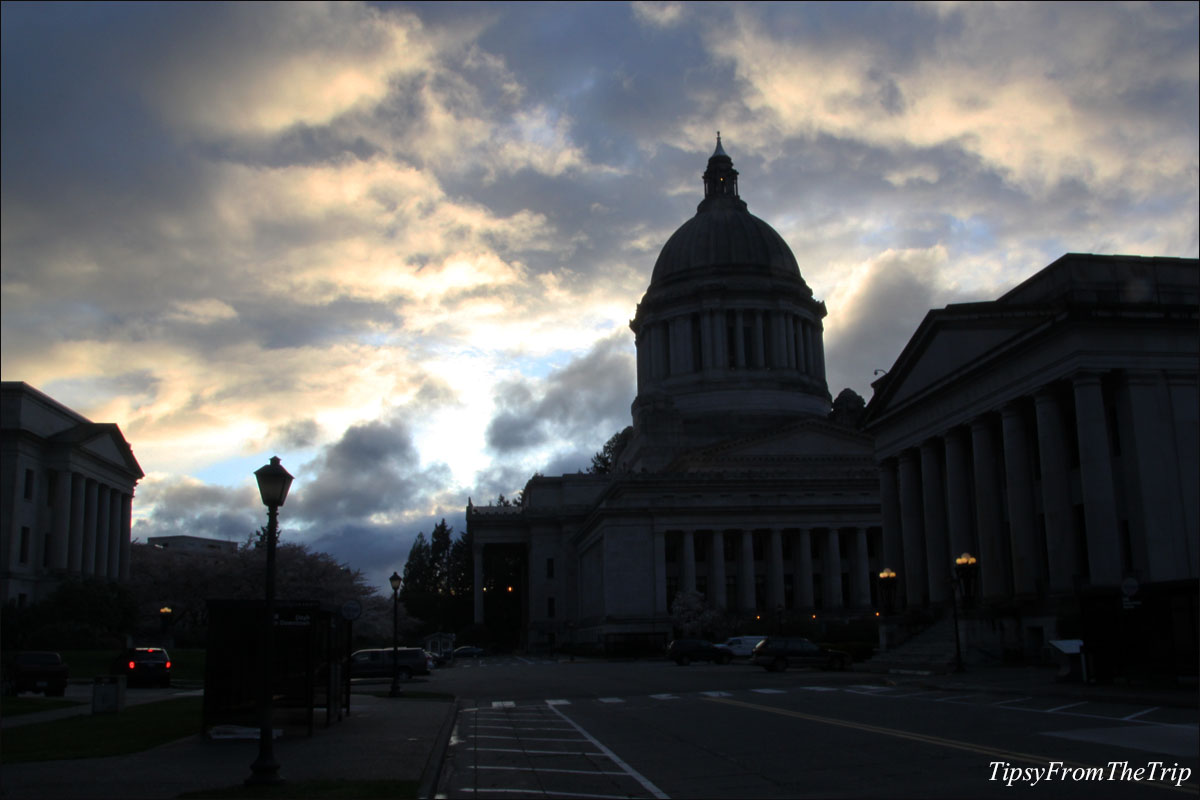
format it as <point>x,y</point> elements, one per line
<point>729,337</point>
<point>723,235</point>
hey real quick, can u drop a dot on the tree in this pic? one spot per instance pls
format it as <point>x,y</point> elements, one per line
<point>439,580</point>
<point>605,460</point>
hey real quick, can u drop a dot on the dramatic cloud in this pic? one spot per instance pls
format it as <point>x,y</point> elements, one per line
<point>399,246</point>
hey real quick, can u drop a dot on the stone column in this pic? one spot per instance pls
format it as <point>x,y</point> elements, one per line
<point>958,494</point>
<point>775,593</point>
<point>1096,481</point>
<point>1184,392</point>
<point>819,350</point>
<point>687,565</point>
<point>803,350</point>
<point>889,502</point>
<point>1156,477</point>
<point>789,339</point>
<point>860,570</point>
<point>661,601</point>
<point>831,570</point>
<point>642,345</point>
<point>126,535</point>
<point>802,556</point>
<point>760,322</point>
<point>62,521</point>
<point>746,572</point>
<point>933,500</point>
<point>987,511</point>
<point>89,528</point>
<point>716,570</point>
<point>115,534</point>
<point>1026,566</point>
<point>103,517</point>
<point>477,559</point>
<point>706,340</point>
<point>78,513</point>
<point>739,338</point>
<point>912,523</point>
<point>1056,492</point>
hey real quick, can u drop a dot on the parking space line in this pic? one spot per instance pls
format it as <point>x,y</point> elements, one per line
<point>558,702</point>
<point>544,793</point>
<point>1141,713</point>
<point>1011,700</point>
<point>538,752</point>
<point>665,696</point>
<point>769,691</point>
<point>610,700</point>
<point>547,769</point>
<point>1068,705</point>
<point>637,776</point>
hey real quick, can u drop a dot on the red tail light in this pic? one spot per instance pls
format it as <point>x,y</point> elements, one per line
<point>132,664</point>
<point>168,665</point>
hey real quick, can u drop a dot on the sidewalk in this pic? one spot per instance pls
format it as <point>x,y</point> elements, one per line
<point>382,739</point>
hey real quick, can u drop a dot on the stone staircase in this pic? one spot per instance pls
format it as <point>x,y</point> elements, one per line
<point>930,652</point>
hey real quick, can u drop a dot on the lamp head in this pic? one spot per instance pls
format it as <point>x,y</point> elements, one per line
<point>273,483</point>
<point>395,581</point>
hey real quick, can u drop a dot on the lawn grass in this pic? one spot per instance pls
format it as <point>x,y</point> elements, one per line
<point>318,790</point>
<point>135,729</point>
<point>11,706</point>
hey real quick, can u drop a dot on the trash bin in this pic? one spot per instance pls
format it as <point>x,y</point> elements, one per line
<point>108,694</point>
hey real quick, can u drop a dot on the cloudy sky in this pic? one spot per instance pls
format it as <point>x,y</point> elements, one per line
<point>399,245</point>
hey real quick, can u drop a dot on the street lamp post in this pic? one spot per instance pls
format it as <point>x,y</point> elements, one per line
<point>273,484</point>
<point>964,582</point>
<point>395,581</point>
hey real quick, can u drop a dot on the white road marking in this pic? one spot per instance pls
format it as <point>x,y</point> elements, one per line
<point>637,776</point>
<point>1141,713</point>
<point>665,696</point>
<point>608,700</point>
<point>558,702</point>
<point>1068,705</point>
<point>544,793</point>
<point>544,769</point>
<point>1011,700</point>
<point>503,704</point>
<point>716,694</point>
<point>769,691</point>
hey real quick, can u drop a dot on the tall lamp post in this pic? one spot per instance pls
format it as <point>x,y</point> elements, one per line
<point>395,581</point>
<point>965,567</point>
<point>273,484</point>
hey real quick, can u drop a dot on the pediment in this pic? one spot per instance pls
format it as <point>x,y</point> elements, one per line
<point>951,344</point>
<point>103,441</point>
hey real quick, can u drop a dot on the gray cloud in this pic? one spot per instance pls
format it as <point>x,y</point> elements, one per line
<point>590,393</point>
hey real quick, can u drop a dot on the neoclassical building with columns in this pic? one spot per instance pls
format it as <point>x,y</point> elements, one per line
<point>734,480</point>
<point>1053,434</point>
<point>67,502</point>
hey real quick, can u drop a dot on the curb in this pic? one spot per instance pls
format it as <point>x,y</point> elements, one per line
<point>432,772</point>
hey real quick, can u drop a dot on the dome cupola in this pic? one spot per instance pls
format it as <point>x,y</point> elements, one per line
<point>729,337</point>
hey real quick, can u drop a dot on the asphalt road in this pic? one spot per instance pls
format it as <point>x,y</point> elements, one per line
<point>531,727</point>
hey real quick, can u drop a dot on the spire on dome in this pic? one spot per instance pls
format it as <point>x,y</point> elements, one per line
<point>720,179</point>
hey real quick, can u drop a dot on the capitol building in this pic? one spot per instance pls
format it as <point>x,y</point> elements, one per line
<point>1051,433</point>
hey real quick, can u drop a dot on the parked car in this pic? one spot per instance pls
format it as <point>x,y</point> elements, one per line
<point>377,663</point>
<point>685,651</point>
<point>468,651</point>
<point>144,666</point>
<point>777,653</point>
<point>37,671</point>
<point>741,646</point>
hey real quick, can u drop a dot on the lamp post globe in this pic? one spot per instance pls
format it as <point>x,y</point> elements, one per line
<point>273,484</point>
<point>395,582</point>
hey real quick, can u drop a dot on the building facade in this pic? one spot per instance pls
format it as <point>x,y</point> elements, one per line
<point>67,501</point>
<point>735,481</point>
<point>1053,434</point>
